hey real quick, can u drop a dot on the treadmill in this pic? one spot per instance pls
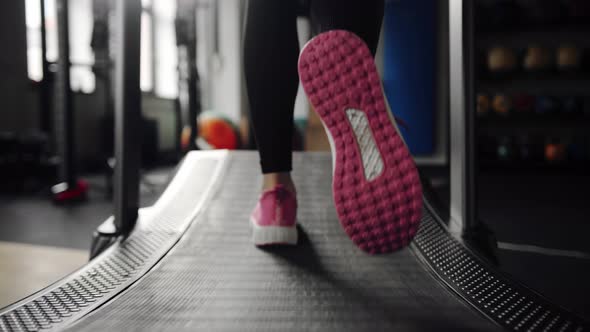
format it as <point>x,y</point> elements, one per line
<point>187,262</point>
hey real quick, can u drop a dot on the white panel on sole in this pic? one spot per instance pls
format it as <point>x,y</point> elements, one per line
<point>372,161</point>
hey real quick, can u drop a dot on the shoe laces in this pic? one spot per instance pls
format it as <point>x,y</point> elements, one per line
<point>281,195</point>
<point>401,122</point>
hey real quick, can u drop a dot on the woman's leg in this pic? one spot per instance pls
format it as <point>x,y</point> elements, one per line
<point>271,50</point>
<point>363,18</point>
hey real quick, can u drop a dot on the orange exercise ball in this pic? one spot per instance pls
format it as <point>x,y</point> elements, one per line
<point>218,131</point>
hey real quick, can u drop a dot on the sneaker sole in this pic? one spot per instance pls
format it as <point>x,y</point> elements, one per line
<point>376,186</point>
<point>273,235</point>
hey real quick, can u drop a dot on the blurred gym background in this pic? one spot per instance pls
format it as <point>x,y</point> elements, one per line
<point>531,76</point>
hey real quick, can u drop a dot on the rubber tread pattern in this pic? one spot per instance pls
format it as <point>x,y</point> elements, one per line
<point>338,73</point>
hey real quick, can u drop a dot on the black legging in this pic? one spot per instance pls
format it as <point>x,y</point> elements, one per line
<point>270,59</point>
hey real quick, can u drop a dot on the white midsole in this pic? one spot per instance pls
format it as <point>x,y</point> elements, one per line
<point>262,235</point>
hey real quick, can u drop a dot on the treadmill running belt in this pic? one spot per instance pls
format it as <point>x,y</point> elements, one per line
<point>171,274</point>
<point>215,279</point>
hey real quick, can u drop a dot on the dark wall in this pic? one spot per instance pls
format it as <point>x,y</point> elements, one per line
<point>15,89</point>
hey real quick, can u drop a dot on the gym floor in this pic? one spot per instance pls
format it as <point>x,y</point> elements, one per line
<point>541,224</point>
<point>539,220</point>
<point>41,242</point>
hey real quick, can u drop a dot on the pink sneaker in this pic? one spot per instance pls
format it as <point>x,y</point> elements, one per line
<point>273,218</point>
<point>376,186</point>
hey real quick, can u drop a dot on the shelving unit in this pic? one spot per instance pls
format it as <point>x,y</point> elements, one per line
<point>557,123</point>
<point>535,122</point>
<point>550,35</point>
<point>556,86</point>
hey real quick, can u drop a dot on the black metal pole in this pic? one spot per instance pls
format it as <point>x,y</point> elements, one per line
<point>127,114</point>
<point>194,97</point>
<point>189,94</point>
<point>44,97</point>
<point>463,149</point>
<point>193,84</point>
<point>471,217</point>
<point>462,157</point>
<point>64,115</point>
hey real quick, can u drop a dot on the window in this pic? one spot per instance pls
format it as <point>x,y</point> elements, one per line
<point>158,63</point>
<point>146,61</point>
<point>34,49</point>
<point>158,48</point>
<point>81,56</point>
<point>81,21</point>
<point>166,53</point>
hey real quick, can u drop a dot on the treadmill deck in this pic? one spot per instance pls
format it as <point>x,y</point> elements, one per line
<point>213,278</point>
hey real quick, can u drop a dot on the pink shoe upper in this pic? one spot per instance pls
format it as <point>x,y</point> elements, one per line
<point>276,207</point>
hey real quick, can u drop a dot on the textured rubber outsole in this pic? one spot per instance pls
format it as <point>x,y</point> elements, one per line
<point>273,235</point>
<point>376,186</point>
